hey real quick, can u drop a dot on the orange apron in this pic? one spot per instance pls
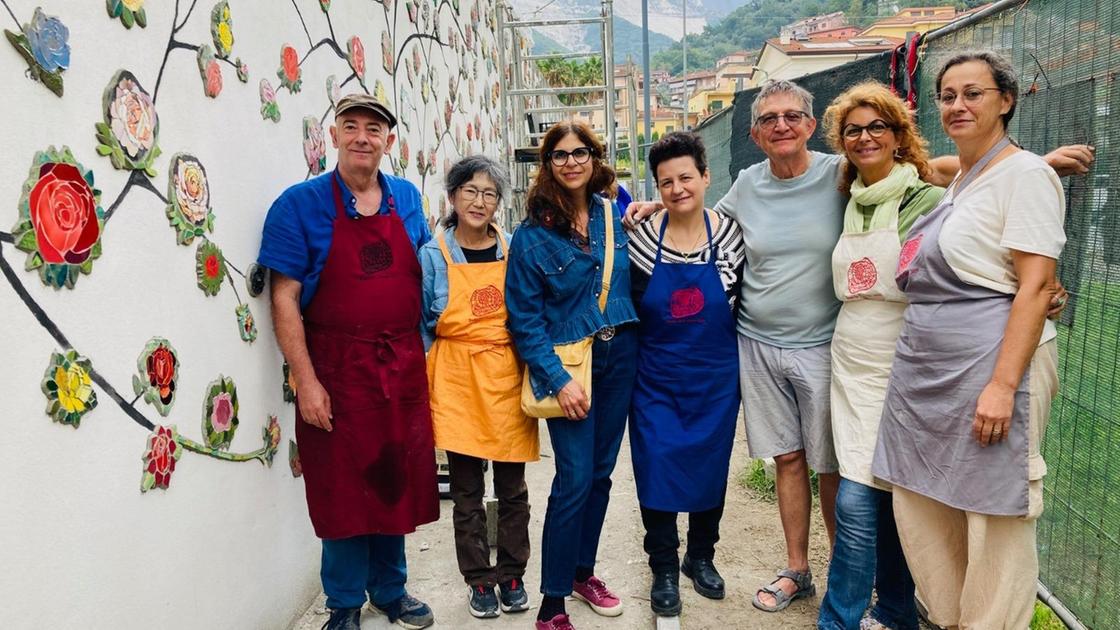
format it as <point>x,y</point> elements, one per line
<point>474,376</point>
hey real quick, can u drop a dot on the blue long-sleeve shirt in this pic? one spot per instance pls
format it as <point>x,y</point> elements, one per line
<point>435,288</point>
<point>552,293</point>
<point>300,225</point>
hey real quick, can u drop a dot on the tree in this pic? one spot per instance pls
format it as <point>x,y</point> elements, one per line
<point>572,73</point>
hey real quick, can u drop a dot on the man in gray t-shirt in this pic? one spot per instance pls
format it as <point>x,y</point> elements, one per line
<point>792,215</point>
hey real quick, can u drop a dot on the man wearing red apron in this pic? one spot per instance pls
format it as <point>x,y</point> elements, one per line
<point>346,307</point>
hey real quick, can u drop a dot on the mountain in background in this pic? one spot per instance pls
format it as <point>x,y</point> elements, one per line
<point>748,26</point>
<point>627,41</point>
<point>665,21</point>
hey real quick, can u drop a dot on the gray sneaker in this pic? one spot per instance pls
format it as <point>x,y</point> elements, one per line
<point>344,619</point>
<point>407,612</point>
<point>481,602</point>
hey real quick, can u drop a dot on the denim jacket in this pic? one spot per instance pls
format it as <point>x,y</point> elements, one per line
<point>434,283</point>
<point>552,293</point>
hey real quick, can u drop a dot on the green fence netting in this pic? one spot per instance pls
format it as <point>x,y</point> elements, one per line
<point>1067,54</point>
<point>716,134</point>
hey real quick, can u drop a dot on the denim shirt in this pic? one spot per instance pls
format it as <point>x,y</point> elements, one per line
<point>552,293</point>
<point>434,283</point>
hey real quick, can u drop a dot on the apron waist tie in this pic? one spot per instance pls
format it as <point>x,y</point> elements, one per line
<point>478,347</point>
<point>383,347</point>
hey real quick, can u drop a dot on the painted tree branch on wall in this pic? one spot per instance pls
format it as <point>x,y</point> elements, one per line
<point>62,218</point>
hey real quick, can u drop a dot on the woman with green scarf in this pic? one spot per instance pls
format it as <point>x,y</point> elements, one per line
<point>886,160</point>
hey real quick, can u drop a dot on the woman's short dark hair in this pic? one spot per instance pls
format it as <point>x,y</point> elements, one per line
<point>1002,73</point>
<point>463,171</point>
<point>678,144</point>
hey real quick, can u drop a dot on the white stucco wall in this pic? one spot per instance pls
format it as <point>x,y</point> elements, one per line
<point>228,544</point>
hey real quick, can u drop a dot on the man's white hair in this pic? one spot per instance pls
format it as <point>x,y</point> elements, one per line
<point>781,86</point>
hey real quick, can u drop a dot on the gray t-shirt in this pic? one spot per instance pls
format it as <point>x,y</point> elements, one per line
<point>790,227</point>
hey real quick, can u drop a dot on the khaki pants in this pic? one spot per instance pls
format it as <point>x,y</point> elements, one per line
<point>977,571</point>
<point>972,571</point>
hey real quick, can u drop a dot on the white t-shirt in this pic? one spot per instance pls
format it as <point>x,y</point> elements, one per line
<point>1016,204</point>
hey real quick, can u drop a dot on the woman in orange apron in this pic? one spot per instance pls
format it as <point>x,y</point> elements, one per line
<point>475,386</point>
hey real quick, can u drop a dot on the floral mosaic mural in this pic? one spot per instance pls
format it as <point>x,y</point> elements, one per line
<point>435,64</point>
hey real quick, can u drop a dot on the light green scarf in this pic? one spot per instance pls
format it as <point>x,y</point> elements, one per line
<point>886,195</point>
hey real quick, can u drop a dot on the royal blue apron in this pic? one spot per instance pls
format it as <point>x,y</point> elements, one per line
<point>686,396</point>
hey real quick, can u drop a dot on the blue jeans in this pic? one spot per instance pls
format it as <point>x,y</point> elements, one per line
<point>585,452</point>
<point>372,565</point>
<point>867,554</point>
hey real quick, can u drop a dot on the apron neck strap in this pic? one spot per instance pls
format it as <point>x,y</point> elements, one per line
<point>707,228</point>
<point>974,172</point>
<point>443,248</point>
<point>497,235</point>
<point>501,238</point>
<point>339,207</point>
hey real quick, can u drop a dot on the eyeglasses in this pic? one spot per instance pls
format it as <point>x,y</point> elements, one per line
<point>470,193</point>
<point>875,129</point>
<point>792,119</point>
<point>580,155</point>
<point>972,96</point>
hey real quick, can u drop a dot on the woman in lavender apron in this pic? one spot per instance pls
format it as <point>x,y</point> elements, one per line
<point>975,366</point>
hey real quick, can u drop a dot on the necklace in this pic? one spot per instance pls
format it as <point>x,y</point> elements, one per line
<point>686,253</point>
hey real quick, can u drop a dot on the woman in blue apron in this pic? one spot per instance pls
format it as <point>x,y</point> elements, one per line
<point>975,366</point>
<point>686,264</point>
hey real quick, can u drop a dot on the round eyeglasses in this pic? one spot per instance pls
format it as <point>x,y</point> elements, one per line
<point>793,119</point>
<point>470,193</point>
<point>971,96</point>
<point>581,155</point>
<point>875,129</point>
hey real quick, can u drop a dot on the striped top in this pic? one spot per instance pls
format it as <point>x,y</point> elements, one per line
<point>727,237</point>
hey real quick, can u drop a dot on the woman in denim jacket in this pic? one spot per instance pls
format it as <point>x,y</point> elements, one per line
<point>553,281</point>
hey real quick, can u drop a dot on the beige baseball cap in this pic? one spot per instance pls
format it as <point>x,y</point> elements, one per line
<point>365,101</point>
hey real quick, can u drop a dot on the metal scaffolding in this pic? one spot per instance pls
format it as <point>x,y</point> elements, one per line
<point>529,106</point>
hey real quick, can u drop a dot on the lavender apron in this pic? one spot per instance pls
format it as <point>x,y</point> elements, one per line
<point>946,353</point>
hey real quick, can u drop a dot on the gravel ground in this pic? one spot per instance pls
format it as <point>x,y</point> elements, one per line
<point>751,550</point>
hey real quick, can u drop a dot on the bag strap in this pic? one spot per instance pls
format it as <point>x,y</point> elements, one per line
<point>608,257</point>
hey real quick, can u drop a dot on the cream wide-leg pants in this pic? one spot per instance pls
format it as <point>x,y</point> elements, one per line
<point>977,571</point>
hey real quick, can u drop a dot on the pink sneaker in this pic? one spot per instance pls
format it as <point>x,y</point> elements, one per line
<point>598,597</point>
<point>559,622</point>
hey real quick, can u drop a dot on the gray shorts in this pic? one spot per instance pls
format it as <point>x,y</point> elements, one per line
<point>786,401</point>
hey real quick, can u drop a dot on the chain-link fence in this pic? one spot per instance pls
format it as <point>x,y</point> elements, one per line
<point>1067,55</point>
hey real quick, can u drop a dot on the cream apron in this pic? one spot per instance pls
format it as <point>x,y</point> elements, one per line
<point>863,267</point>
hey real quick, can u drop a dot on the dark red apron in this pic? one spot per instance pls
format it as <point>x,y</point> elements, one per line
<point>375,473</point>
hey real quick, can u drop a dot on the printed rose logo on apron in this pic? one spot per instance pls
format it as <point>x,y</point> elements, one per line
<point>861,275</point>
<point>686,302</point>
<point>909,251</point>
<point>375,257</point>
<point>485,300</point>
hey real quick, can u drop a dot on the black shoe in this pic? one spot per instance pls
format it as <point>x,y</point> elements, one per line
<point>513,596</point>
<point>705,579</point>
<point>482,603</point>
<point>344,619</point>
<point>665,594</point>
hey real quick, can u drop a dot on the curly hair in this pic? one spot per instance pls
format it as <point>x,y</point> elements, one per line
<point>912,147</point>
<point>549,203</point>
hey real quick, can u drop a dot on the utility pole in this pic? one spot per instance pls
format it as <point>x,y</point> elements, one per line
<point>684,62</point>
<point>638,148</point>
